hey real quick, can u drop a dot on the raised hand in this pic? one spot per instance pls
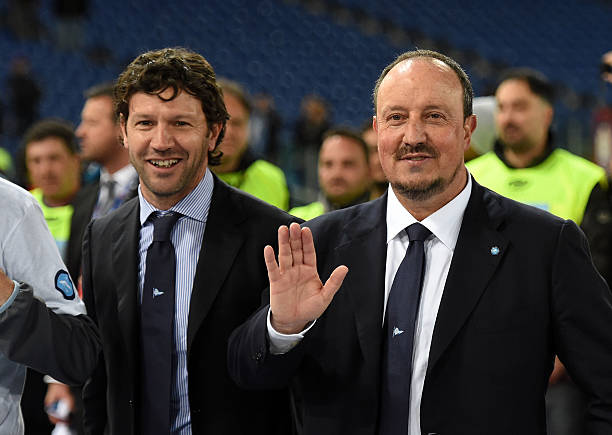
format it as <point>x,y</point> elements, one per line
<point>297,295</point>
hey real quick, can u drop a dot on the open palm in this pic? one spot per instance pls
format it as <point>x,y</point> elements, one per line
<point>297,295</point>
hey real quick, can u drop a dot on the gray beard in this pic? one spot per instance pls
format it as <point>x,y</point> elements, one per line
<point>419,192</point>
<point>422,191</point>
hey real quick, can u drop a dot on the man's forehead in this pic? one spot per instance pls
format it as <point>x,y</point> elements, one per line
<point>408,65</point>
<point>514,89</point>
<point>48,143</point>
<point>424,75</point>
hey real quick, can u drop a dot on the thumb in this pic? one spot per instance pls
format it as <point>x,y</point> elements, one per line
<point>333,283</point>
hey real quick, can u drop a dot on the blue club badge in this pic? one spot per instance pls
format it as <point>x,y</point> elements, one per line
<point>63,284</point>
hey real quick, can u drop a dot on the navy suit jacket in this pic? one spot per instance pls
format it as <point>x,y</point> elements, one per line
<point>501,320</point>
<point>227,288</point>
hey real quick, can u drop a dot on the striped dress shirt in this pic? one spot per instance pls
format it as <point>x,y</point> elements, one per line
<point>187,236</point>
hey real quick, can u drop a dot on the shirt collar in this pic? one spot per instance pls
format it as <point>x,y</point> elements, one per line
<point>124,177</point>
<point>195,205</point>
<point>444,223</point>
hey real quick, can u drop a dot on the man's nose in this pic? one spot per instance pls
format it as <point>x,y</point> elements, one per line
<point>162,138</point>
<point>414,133</point>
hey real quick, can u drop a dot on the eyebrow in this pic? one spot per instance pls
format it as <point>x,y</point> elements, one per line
<point>404,109</point>
<point>141,115</point>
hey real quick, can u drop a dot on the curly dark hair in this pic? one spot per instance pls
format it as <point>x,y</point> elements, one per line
<point>178,69</point>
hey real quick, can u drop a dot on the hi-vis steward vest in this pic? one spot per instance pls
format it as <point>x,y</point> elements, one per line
<point>308,211</point>
<point>58,220</point>
<point>263,180</point>
<point>561,184</point>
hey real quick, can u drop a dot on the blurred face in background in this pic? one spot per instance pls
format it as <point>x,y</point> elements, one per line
<point>344,174</point>
<point>54,169</point>
<point>98,132</point>
<point>523,118</point>
<point>376,172</point>
<point>236,139</point>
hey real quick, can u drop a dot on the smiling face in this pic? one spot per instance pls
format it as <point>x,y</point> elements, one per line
<point>168,142</point>
<point>422,133</point>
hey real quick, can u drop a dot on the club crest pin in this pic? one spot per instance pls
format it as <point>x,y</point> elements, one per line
<point>63,284</point>
<point>494,250</point>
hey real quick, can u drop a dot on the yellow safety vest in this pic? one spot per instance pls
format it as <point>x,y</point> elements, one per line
<point>308,211</point>
<point>58,220</point>
<point>263,180</point>
<point>561,184</point>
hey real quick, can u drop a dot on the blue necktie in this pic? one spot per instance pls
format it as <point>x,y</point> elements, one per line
<point>156,328</point>
<point>400,319</point>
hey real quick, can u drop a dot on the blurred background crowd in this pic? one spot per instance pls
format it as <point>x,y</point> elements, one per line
<point>297,78</point>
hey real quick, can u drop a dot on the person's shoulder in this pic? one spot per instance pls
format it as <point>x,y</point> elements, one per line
<point>512,211</point>
<point>483,161</point>
<point>116,217</point>
<point>263,168</point>
<point>250,205</point>
<point>334,221</point>
<point>580,163</point>
<point>15,201</point>
<point>308,211</point>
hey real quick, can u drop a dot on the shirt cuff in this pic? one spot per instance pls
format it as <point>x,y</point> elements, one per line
<point>11,298</point>
<point>283,343</point>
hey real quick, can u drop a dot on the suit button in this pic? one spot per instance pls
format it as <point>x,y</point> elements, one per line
<point>131,402</point>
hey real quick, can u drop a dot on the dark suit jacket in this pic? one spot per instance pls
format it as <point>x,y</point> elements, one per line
<point>501,320</point>
<point>84,204</point>
<point>227,288</point>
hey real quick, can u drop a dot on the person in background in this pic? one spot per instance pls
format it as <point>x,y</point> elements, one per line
<point>344,174</point>
<point>527,166</point>
<point>379,180</point>
<point>99,139</point>
<point>265,128</point>
<point>239,167</point>
<point>42,319</point>
<point>314,120</point>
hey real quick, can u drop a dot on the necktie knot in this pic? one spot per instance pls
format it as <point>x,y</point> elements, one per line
<point>417,232</point>
<point>163,224</point>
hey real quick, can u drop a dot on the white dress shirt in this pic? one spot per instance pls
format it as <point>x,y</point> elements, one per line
<point>444,225</point>
<point>187,236</point>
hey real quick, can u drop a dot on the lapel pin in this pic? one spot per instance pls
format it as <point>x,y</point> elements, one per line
<point>494,250</point>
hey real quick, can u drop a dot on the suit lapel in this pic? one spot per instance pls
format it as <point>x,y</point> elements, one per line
<point>479,243</point>
<point>221,243</point>
<point>363,250</point>
<point>124,254</point>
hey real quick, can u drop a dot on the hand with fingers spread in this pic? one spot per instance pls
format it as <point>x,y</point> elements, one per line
<point>297,295</point>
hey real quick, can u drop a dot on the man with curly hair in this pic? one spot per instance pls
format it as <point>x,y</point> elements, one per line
<point>171,273</point>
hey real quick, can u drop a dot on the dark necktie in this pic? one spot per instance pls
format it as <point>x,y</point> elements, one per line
<point>157,326</point>
<point>400,318</point>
